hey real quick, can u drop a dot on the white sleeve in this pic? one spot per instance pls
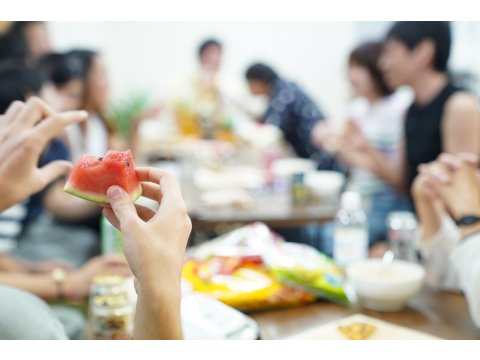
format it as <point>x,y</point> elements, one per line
<point>466,261</point>
<point>437,254</point>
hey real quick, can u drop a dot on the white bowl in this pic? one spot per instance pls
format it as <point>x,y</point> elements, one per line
<point>285,168</point>
<point>389,291</point>
<point>325,184</point>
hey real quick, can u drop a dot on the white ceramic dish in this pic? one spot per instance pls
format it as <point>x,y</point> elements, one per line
<point>325,184</point>
<point>388,291</point>
<point>285,168</point>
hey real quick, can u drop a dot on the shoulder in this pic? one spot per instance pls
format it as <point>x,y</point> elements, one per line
<point>462,101</point>
<point>461,107</point>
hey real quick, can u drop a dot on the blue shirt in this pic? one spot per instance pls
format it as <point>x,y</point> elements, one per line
<point>296,114</point>
<point>56,150</point>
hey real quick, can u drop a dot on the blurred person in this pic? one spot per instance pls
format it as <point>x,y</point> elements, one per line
<point>377,114</point>
<point>442,118</point>
<point>199,102</point>
<point>447,198</point>
<point>25,131</point>
<point>65,74</point>
<point>37,226</point>
<point>290,109</point>
<point>36,37</point>
<point>97,135</point>
<point>154,242</point>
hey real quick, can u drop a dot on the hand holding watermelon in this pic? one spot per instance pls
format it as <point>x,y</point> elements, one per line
<point>154,245</point>
<point>25,130</point>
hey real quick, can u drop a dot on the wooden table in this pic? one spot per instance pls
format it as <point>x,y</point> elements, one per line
<point>440,314</point>
<point>273,209</point>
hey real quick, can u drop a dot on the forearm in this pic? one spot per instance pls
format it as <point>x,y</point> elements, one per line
<point>430,215</point>
<point>68,208</point>
<point>158,314</point>
<point>41,285</point>
<point>467,266</point>
<point>11,264</point>
<point>393,175</point>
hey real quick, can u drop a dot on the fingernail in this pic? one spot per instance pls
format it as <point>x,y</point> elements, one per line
<point>114,192</point>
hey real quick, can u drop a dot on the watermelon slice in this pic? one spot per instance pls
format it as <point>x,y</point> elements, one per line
<point>91,177</point>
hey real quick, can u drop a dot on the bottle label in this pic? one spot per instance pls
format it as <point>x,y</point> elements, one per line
<point>350,244</point>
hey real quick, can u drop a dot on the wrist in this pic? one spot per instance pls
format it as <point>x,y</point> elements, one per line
<point>467,230</point>
<point>70,289</point>
<point>465,210</point>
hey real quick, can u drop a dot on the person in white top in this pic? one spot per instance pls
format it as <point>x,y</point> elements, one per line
<point>447,199</point>
<point>96,136</point>
<point>374,116</point>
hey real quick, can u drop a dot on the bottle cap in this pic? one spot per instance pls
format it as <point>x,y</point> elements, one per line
<point>351,200</point>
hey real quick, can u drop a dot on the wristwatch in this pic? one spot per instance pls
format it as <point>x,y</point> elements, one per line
<point>59,277</point>
<point>467,220</point>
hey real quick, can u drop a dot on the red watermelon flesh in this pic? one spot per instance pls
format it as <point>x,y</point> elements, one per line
<point>91,177</point>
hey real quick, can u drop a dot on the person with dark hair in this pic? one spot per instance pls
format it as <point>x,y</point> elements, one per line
<point>200,101</point>
<point>442,118</point>
<point>13,47</point>
<point>97,135</point>
<point>154,241</point>
<point>17,82</point>
<point>376,114</point>
<point>66,74</point>
<point>35,35</point>
<point>210,55</point>
<point>290,109</point>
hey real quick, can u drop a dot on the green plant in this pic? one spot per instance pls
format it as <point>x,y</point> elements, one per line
<point>125,111</point>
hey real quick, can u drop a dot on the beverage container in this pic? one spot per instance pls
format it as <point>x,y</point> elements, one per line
<point>111,311</point>
<point>110,238</point>
<point>112,317</point>
<point>401,232</point>
<point>350,241</point>
<point>299,190</point>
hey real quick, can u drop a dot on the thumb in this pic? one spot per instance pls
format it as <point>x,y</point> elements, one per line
<point>121,204</point>
<point>54,170</point>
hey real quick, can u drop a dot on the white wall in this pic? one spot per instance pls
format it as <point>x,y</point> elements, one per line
<point>152,55</point>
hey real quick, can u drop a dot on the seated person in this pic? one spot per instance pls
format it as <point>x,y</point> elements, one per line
<point>290,109</point>
<point>377,114</point>
<point>18,82</point>
<point>154,241</point>
<point>63,75</point>
<point>447,199</point>
<point>29,40</point>
<point>37,278</point>
<point>98,134</point>
<point>442,117</point>
<point>201,105</point>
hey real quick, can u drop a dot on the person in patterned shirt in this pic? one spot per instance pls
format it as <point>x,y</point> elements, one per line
<point>290,109</point>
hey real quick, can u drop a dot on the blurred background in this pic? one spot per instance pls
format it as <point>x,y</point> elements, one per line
<point>152,56</point>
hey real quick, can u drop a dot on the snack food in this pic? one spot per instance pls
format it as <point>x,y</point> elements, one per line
<point>357,330</point>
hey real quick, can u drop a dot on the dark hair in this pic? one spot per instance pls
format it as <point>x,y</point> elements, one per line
<point>16,82</point>
<point>18,27</point>
<point>13,46</point>
<point>367,55</point>
<point>261,72</point>
<point>85,56</point>
<point>61,68</point>
<point>13,43</point>
<point>411,33</point>
<point>206,44</point>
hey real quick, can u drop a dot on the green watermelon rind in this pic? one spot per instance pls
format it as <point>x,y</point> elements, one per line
<point>98,198</point>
